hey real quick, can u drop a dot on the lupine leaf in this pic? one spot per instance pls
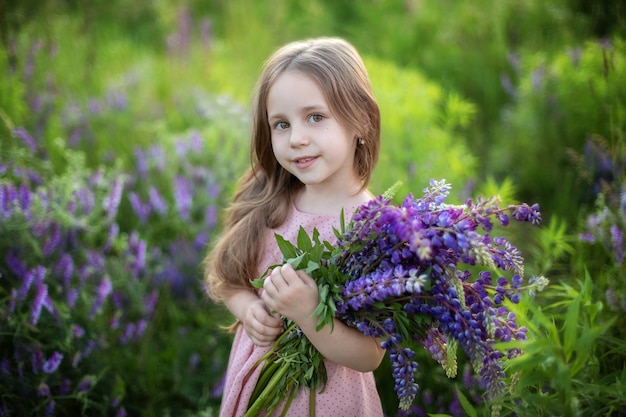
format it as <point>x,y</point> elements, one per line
<point>304,241</point>
<point>286,247</point>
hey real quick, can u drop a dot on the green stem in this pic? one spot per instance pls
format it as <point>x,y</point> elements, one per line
<point>312,403</point>
<point>292,395</point>
<point>260,402</point>
<point>267,372</point>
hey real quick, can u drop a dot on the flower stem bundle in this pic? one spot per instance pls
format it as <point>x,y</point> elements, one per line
<point>402,274</point>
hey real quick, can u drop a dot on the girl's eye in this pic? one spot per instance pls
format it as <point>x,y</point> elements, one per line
<point>282,125</point>
<point>316,118</point>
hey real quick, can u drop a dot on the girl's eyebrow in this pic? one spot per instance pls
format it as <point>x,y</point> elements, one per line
<point>305,109</point>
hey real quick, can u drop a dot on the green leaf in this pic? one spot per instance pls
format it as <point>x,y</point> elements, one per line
<point>571,326</point>
<point>286,248</point>
<point>465,404</point>
<point>304,241</point>
<point>297,261</point>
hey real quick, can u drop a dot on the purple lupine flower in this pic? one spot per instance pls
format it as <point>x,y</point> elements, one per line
<point>26,138</point>
<point>617,240</point>
<point>50,408</point>
<point>65,387</point>
<point>182,196</point>
<point>141,210</point>
<point>43,390</point>
<point>27,283</point>
<point>114,231</point>
<point>52,364</point>
<point>210,217</point>
<point>25,197</point>
<point>71,297</point>
<point>141,161</point>
<point>115,320</point>
<point>104,290</point>
<point>53,240</point>
<point>142,325</point>
<point>37,359</point>
<point>149,302</point>
<point>128,334</point>
<point>137,248</point>
<point>85,383</point>
<point>86,198</point>
<point>13,298</point>
<point>77,331</point>
<point>158,157</point>
<point>15,264</point>
<point>121,412</point>
<point>64,269</point>
<point>157,201</point>
<point>40,298</point>
<point>112,201</point>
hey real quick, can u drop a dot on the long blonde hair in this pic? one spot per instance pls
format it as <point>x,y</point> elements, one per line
<point>265,191</point>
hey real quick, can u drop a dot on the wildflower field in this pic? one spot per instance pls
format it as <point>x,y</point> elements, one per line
<point>124,127</point>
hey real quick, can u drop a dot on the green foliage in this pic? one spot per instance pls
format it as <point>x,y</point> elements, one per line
<point>561,102</point>
<point>559,372</point>
<point>420,123</point>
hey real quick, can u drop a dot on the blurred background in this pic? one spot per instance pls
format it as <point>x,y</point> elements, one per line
<point>124,126</point>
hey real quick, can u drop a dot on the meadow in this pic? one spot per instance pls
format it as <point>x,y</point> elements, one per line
<point>125,125</point>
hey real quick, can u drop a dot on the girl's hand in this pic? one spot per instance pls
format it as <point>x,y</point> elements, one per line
<point>261,326</point>
<point>292,293</point>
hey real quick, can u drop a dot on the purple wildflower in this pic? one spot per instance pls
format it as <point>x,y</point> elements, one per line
<point>157,201</point>
<point>77,331</point>
<point>38,302</point>
<point>141,210</point>
<point>140,329</point>
<point>104,290</point>
<point>182,196</point>
<point>52,364</point>
<point>65,387</point>
<point>50,408</point>
<point>15,264</point>
<point>43,390</point>
<point>53,240</point>
<point>71,297</point>
<point>64,269</point>
<point>128,334</point>
<point>27,283</point>
<point>37,359</point>
<point>85,383</point>
<point>112,201</point>
<point>25,198</point>
<point>26,138</point>
<point>617,240</point>
<point>86,198</point>
<point>114,231</point>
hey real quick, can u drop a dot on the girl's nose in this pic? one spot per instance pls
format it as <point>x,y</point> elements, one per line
<point>298,136</point>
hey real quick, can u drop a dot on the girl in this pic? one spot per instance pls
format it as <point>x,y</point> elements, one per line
<point>315,141</point>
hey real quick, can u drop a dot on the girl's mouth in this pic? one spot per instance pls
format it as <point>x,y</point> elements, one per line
<point>302,163</point>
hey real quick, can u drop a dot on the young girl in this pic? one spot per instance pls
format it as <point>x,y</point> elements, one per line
<point>315,141</point>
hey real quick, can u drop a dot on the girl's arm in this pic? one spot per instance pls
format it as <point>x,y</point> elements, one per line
<point>261,326</point>
<point>294,294</point>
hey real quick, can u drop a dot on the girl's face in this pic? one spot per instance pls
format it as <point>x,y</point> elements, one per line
<point>307,139</point>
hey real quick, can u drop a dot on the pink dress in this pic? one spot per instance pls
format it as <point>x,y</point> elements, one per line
<point>348,393</point>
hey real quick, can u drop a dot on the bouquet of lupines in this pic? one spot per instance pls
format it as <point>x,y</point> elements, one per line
<point>401,273</point>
